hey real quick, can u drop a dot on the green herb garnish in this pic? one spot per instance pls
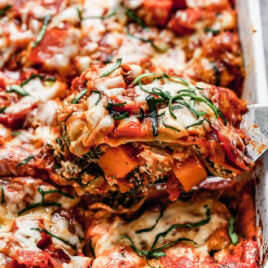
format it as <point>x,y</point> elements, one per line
<point>105,17</point>
<point>233,235</point>
<point>116,66</point>
<point>157,48</point>
<point>197,123</point>
<point>99,93</point>
<point>43,30</point>
<point>15,133</point>
<point>186,225</point>
<point>149,229</point>
<point>25,161</point>
<point>33,76</point>
<point>217,73</point>
<point>79,96</point>
<point>153,113</point>
<point>208,29</point>
<point>132,15</point>
<point>2,195</point>
<point>168,126</point>
<point>2,110</point>
<point>115,114</point>
<point>55,236</point>
<point>39,204</point>
<point>79,13</point>
<point>18,89</point>
<point>4,10</point>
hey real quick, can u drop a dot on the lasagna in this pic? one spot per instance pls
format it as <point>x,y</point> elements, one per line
<point>114,115</point>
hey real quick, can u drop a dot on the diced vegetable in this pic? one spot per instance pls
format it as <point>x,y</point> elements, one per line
<point>118,162</point>
<point>190,172</point>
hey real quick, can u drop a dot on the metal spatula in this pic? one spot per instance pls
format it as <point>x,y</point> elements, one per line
<point>255,123</point>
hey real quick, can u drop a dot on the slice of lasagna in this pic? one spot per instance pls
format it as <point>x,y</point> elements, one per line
<point>199,232</point>
<point>139,128</point>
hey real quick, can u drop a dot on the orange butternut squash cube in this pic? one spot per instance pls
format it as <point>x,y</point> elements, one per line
<point>117,162</point>
<point>190,172</point>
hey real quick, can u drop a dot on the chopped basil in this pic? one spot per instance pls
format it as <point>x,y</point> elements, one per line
<point>43,193</point>
<point>105,17</point>
<point>208,29</point>
<point>233,235</point>
<point>4,10</point>
<point>44,203</point>
<point>217,73</point>
<point>168,126</point>
<point>157,48</point>
<point>99,93</point>
<point>15,133</point>
<point>79,13</point>
<point>25,161</point>
<point>115,114</point>
<point>55,236</point>
<point>154,252</point>
<point>39,204</point>
<point>197,123</point>
<point>18,89</point>
<point>79,96</point>
<point>186,225</point>
<point>116,66</point>
<point>141,116</point>
<point>121,116</point>
<point>153,113</point>
<point>43,30</point>
<point>33,76</point>
<point>2,195</point>
<point>2,110</point>
<point>149,229</point>
<point>132,15</point>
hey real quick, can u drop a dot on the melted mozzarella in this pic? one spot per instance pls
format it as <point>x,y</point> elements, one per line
<point>106,235</point>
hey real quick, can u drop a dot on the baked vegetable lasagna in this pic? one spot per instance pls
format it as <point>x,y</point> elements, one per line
<point>120,138</point>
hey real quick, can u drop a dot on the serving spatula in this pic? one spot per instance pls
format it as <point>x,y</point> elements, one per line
<point>255,124</point>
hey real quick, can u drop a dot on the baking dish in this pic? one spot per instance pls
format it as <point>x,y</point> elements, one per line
<point>255,91</point>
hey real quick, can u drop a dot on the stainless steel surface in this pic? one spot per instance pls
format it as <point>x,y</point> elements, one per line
<point>255,92</point>
<point>256,128</point>
<point>264,12</point>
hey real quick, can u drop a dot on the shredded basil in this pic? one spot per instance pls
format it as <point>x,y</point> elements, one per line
<point>186,225</point>
<point>132,15</point>
<point>157,48</point>
<point>217,73</point>
<point>79,14</point>
<point>141,116</point>
<point>168,126</point>
<point>154,252</point>
<point>43,30</point>
<point>208,29</point>
<point>2,110</point>
<point>15,133</point>
<point>197,123</point>
<point>54,191</point>
<point>116,66</point>
<point>2,195</point>
<point>25,161</point>
<point>115,114</point>
<point>18,89</point>
<point>232,234</point>
<point>39,204</point>
<point>105,17</point>
<point>79,96</point>
<point>153,113</point>
<point>149,229</point>
<point>55,236</point>
<point>4,10</point>
<point>99,93</point>
<point>33,76</point>
<point>44,203</point>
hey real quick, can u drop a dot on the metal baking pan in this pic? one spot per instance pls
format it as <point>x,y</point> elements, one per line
<point>255,91</point>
